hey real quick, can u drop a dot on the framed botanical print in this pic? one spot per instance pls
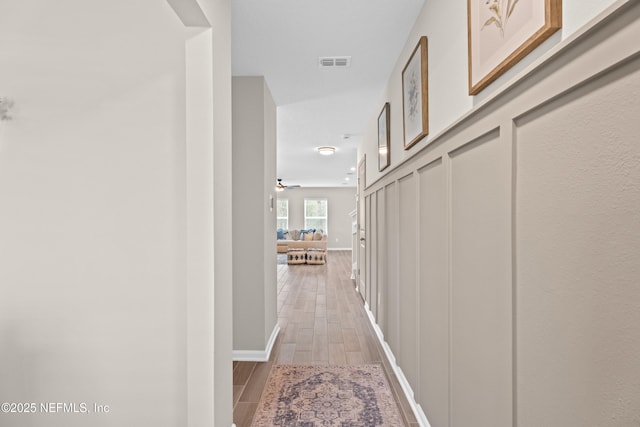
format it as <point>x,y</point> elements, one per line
<point>415,96</point>
<point>502,32</point>
<point>384,138</point>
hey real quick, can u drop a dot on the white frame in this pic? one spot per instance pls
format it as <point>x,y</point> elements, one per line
<point>326,218</point>
<point>278,218</point>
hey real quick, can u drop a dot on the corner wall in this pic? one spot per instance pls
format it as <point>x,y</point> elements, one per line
<point>512,297</point>
<point>254,218</point>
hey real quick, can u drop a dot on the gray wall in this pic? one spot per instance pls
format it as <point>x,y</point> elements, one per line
<point>512,297</point>
<point>341,202</point>
<point>254,247</point>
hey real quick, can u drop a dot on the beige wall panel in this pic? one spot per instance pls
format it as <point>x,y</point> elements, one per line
<point>382,253</point>
<point>578,257</point>
<point>391,327</point>
<point>408,284</point>
<point>481,298</point>
<point>372,296</point>
<point>366,292</point>
<point>434,295</point>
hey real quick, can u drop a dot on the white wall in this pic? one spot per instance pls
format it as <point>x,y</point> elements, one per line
<point>209,270</point>
<point>341,202</point>
<point>512,296</point>
<point>93,221</point>
<point>218,12</point>
<point>445,25</point>
<point>254,172</point>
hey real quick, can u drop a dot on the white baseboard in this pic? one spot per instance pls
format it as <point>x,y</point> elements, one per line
<point>339,249</point>
<point>257,355</point>
<point>406,387</point>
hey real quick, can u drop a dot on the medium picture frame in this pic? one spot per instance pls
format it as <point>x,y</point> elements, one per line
<point>502,32</point>
<point>415,95</point>
<point>384,138</point>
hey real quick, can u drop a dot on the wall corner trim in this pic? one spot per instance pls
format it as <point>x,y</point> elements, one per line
<point>404,383</point>
<point>257,355</point>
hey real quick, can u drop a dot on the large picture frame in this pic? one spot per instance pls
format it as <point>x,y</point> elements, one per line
<point>415,96</point>
<point>384,138</point>
<point>502,32</point>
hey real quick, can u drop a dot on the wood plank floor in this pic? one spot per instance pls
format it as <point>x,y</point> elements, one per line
<point>322,321</point>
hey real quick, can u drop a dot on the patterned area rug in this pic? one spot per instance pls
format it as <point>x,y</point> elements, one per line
<point>327,396</point>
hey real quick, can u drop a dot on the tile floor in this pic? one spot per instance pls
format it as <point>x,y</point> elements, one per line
<point>322,321</point>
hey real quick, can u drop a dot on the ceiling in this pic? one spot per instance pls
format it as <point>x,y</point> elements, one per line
<point>282,40</point>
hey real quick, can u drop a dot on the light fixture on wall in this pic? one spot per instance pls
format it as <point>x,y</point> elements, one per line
<point>326,150</point>
<point>5,106</point>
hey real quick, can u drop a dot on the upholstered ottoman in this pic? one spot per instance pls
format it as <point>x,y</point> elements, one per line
<point>296,256</point>
<point>316,256</point>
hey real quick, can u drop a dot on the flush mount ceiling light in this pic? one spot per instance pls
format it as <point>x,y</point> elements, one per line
<point>326,150</point>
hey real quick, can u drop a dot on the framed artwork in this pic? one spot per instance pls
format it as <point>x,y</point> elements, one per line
<point>415,96</point>
<point>384,138</point>
<point>502,32</point>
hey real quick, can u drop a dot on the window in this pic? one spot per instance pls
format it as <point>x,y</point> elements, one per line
<point>283,214</point>
<point>315,214</point>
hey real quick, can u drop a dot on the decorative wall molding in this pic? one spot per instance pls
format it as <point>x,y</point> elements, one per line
<point>457,204</point>
<point>406,387</point>
<point>257,355</point>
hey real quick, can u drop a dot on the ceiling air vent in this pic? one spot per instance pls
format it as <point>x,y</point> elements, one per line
<point>334,61</point>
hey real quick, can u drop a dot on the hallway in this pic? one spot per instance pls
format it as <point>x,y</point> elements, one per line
<point>322,321</point>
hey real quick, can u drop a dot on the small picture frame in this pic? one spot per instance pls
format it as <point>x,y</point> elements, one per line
<point>384,138</point>
<point>502,32</point>
<point>415,96</point>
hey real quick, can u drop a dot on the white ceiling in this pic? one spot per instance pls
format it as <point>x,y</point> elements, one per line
<point>282,40</point>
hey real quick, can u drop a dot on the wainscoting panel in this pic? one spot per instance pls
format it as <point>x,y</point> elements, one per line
<point>434,294</point>
<point>408,283</point>
<point>382,242</point>
<point>364,291</point>
<point>481,298</point>
<point>578,243</point>
<point>507,248</point>
<point>391,284</point>
<point>372,294</point>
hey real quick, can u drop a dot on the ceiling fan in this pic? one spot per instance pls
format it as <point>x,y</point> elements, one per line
<point>281,187</point>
